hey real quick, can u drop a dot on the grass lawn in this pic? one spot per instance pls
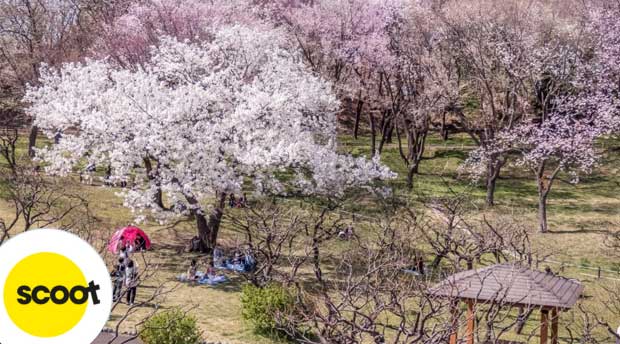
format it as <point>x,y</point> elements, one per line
<point>580,216</point>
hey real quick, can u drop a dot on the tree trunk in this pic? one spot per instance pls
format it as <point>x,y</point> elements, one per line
<point>358,115</point>
<point>373,134</point>
<point>208,228</point>
<point>216,218</point>
<point>32,140</point>
<point>491,182</point>
<point>385,130</point>
<point>204,232</point>
<point>108,175</point>
<point>522,319</point>
<point>437,261</point>
<point>390,134</point>
<point>152,175</point>
<point>416,142</point>
<point>542,213</point>
<point>413,169</point>
<point>444,130</point>
<point>544,187</point>
<point>494,167</point>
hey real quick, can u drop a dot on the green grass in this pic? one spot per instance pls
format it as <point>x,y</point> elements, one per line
<point>580,216</point>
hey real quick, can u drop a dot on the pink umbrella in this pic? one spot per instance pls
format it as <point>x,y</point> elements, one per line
<point>129,235</point>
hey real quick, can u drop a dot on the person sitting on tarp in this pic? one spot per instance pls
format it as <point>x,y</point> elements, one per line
<point>212,277</point>
<point>192,271</point>
<point>218,258</point>
<point>237,263</point>
<point>249,262</point>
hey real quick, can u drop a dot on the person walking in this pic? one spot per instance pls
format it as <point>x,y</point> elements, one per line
<point>118,276</point>
<point>131,282</point>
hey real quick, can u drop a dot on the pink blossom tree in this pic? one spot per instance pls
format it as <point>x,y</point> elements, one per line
<point>418,86</point>
<point>562,143</point>
<point>127,36</point>
<point>349,42</point>
<point>33,32</point>
<point>382,56</point>
<point>504,54</point>
<point>578,97</point>
<point>600,86</point>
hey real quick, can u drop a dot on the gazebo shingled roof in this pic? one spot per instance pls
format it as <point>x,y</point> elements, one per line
<point>513,284</point>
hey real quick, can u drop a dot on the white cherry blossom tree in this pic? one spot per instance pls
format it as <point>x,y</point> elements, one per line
<point>206,119</point>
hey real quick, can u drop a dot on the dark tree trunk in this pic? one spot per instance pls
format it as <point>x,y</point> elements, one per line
<point>494,167</point>
<point>444,130</point>
<point>542,214</point>
<point>436,261</point>
<point>208,227</point>
<point>153,175</point>
<point>410,173</point>
<point>358,115</point>
<point>204,232</point>
<point>108,175</point>
<point>385,130</point>
<point>373,133</point>
<point>417,144</point>
<point>491,184</point>
<point>390,134</point>
<point>384,118</point>
<point>32,140</point>
<point>544,184</point>
<point>522,319</point>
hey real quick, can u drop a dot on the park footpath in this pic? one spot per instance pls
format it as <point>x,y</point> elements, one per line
<point>106,336</point>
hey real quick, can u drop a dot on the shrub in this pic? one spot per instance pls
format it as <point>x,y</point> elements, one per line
<point>266,307</point>
<point>173,326</point>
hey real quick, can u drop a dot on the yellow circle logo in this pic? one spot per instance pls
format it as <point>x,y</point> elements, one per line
<point>46,294</point>
<point>54,289</point>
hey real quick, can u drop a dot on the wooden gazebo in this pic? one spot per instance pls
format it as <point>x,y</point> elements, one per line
<point>514,285</point>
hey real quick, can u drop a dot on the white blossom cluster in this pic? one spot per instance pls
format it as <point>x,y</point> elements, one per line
<point>209,116</point>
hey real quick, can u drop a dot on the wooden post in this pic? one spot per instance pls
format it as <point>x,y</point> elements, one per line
<point>554,326</point>
<point>455,322</point>
<point>471,322</point>
<point>544,325</point>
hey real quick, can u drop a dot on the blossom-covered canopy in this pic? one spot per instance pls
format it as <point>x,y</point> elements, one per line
<point>210,116</point>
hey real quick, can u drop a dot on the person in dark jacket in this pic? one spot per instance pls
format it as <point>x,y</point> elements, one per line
<point>118,276</point>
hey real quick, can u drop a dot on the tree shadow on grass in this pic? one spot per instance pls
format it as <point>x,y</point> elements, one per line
<point>581,231</point>
<point>449,154</point>
<point>609,209</point>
